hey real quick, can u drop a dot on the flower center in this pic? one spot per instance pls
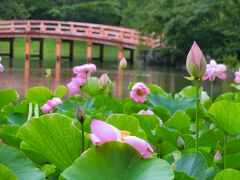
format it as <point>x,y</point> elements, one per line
<point>125,133</point>
<point>141,92</point>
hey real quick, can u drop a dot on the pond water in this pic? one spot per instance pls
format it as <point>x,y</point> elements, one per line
<point>22,74</point>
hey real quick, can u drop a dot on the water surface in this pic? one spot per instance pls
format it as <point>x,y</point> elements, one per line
<point>22,74</point>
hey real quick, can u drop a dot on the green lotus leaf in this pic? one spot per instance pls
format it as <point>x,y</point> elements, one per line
<point>118,161</point>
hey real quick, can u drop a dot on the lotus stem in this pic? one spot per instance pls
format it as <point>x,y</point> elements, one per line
<point>197,109</point>
<point>225,151</point>
<point>82,136</point>
<point>211,91</point>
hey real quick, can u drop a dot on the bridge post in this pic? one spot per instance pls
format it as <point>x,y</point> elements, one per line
<point>27,47</point>
<point>41,46</point>
<point>11,47</point>
<point>58,48</point>
<point>120,52</point>
<point>131,55</point>
<point>89,51</point>
<point>71,50</point>
<point>101,52</point>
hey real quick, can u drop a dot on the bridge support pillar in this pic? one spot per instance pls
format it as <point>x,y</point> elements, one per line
<point>89,51</point>
<point>58,48</point>
<point>11,47</point>
<point>27,47</point>
<point>120,52</point>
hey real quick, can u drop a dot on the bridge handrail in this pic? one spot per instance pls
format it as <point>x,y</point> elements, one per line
<point>77,29</point>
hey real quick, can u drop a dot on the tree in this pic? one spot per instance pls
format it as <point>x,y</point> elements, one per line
<point>13,9</point>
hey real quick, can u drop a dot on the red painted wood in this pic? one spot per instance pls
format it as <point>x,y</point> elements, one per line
<point>96,33</point>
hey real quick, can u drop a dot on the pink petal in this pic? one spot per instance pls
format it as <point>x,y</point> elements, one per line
<point>197,54</point>
<point>222,76</point>
<point>46,108</point>
<point>148,112</point>
<point>1,68</point>
<point>73,88</point>
<point>139,144</point>
<point>94,139</point>
<point>222,67</point>
<point>104,131</point>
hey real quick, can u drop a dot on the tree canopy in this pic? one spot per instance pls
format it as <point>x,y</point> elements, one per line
<point>214,24</point>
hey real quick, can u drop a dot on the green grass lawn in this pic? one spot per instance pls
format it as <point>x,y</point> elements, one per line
<point>110,52</point>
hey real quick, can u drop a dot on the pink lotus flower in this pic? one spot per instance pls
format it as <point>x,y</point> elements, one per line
<point>83,73</point>
<point>1,66</point>
<point>139,92</point>
<point>237,77</point>
<point>149,112</point>
<point>104,132</point>
<point>85,68</point>
<point>215,70</point>
<point>73,88</point>
<point>196,63</point>
<point>46,108</point>
<point>50,105</point>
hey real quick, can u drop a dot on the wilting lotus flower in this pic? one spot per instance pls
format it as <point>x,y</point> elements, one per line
<point>123,63</point>
<point>1,66</point>
<point>217,157</point>
<point>50,105</point>
<point>139,92</point>
<point>237,77</point>
<point>196,63</point>
<point>215,70</point>
<point>104,132</point>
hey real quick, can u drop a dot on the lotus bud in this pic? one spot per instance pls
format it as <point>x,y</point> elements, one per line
<point>123,63</point>
<point>104,79</point>
<point>196,63</point>
<point>80,115</point>
<point>217,157</point>
<point>180,142</point>
<point>48,73</point>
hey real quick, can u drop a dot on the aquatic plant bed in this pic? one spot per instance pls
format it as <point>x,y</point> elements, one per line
<point>82,131</point>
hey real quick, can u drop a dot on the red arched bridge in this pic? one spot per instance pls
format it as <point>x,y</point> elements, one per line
<point>69,32</point>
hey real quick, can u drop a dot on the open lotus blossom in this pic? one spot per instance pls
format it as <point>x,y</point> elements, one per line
<point>149,112</point>
<point>195,63</point>
<point>1,66</point>
<point>50,105</point>
<point>82,73</point>
<point>215,70</point>
<point>104,132</point>
<point>237,77</point>
<point>85,68</point>
<point>139,92</point>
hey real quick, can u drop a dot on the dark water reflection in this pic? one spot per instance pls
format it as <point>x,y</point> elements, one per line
<point>22,74</point>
